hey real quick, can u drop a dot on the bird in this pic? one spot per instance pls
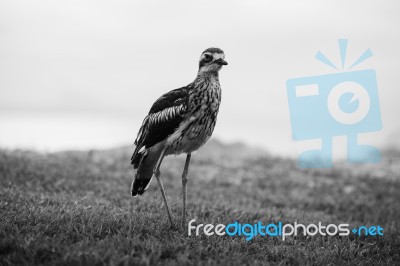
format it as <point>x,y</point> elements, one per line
<point>180,121</point>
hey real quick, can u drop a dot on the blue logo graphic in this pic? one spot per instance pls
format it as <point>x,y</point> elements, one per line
<point>343,103</point>
<point>280,229</point>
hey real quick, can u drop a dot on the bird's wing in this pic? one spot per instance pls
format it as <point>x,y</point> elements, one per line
<point>164,117</point>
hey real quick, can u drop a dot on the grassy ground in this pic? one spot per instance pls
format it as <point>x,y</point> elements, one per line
<point>74,208</point>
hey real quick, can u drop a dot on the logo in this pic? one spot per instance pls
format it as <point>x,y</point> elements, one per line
<point>283,231</point>
<point>339,104</point>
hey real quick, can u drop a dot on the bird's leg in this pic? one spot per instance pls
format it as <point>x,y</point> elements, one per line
<point>184,182</point>
<point>156,172</point>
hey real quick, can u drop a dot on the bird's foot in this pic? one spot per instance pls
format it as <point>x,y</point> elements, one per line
<point>183,220</point>
<point>173,227</point>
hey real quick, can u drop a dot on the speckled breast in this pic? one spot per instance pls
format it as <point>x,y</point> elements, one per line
<point>198,126</point>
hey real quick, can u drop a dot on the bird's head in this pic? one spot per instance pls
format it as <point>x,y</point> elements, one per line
<point>211,60</point>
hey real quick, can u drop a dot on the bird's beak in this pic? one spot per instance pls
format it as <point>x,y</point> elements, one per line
<point>221,61</point>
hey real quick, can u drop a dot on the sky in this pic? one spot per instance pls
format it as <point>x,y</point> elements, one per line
<point>83,74</point>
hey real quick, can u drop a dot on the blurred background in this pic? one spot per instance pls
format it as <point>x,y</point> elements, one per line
<point>83,74</point>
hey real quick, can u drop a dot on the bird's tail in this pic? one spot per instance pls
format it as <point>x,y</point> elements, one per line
<point>144,162</point>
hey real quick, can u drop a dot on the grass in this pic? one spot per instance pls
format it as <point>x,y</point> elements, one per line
<point>74,208</point>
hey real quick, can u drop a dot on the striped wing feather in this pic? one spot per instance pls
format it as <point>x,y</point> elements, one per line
<point>163,119</point>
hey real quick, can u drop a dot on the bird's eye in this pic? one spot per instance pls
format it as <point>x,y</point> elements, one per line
<point>207,57</point>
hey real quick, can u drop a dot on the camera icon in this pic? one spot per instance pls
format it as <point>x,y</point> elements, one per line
<point>325,106</point>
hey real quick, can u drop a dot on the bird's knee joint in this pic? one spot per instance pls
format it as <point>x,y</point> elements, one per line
<point>184,180</point>
<point>156,172</point>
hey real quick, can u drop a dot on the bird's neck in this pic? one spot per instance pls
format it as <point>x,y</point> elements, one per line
<point>207,76</point>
